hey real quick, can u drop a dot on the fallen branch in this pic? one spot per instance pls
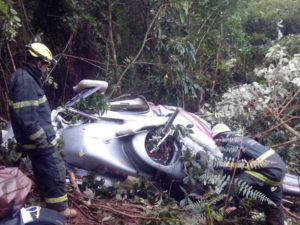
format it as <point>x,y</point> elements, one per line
<point>3,119</point>
<point>73,182</point>
<point>289,213</point>
<point>89,214</point>
<point>260,135</point>
<point>290,100</point>
<point>286,126</point>
<point>115,211</point>
<point>285,143</point>
<point>280,120</point>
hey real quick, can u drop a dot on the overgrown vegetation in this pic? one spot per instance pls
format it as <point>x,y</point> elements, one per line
<point>234,61</point>
<point>268,109</point>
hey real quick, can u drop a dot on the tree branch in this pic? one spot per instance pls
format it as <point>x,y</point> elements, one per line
<point>67,45</point>
<point>110,33</point>
<point>26,18</point>
<point>285,143</point>
<point>10,55</point>
<point>206,32</point>
<point>289,213</point>
<point>141,48</point>
<point>273,112</point>
<point>3,119</point>
<point>86,60</point>
<point>218,57</point>
<point>260,135</point>
<point>119,212</point>
<point>290,100</point>
<point>73,182</point>
<point>282,123</point>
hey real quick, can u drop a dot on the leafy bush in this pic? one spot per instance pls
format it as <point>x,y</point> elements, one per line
<point>267,110</point>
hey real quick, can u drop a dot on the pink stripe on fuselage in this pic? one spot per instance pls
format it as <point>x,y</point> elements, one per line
<point>202,128</point>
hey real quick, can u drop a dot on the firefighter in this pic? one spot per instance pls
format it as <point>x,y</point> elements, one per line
<point>265,169</point>
<point>31,122</point>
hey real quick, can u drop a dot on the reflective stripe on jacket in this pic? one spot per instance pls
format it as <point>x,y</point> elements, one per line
<point>270,165</point>
<point>29,109</point>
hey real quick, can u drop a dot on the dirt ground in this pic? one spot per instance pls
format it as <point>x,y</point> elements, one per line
<point>114,212</point>
<point>106,212</point>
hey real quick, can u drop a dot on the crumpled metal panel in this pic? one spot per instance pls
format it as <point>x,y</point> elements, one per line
<point>86,146</point>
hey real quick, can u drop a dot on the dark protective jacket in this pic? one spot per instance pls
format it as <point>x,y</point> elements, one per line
<point>29,109</point>
<point>238,148</point>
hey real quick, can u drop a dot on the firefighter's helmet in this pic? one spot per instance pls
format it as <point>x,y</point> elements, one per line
<point>40,50</point>
<point>220,128</point>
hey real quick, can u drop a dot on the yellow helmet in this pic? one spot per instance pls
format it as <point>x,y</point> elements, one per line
<point>40,50</point>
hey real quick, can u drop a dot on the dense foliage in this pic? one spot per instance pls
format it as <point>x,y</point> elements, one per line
<point>179,52</point>
<point>235,61</point>
<point>272,103</point>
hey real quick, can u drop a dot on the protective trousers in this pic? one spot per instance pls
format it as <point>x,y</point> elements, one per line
<point>274,214</point>
<point>50,176</point>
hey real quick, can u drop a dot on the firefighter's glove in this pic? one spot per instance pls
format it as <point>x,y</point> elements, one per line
<point>42,144</point>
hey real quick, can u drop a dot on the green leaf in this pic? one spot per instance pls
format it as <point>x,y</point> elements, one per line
<point>185,192</point>
<point>186,180</point>
<point>16,18</point>
<point>190,126</point>
<point>185,86</point>
<point>14,12</point>
<point>3,8</point>
<point>183,202</point>
<point>182,16</point>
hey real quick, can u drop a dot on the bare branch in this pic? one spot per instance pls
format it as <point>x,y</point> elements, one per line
<point>273,112</point>
<point>26,18</point>
<point>141,48</point>
<point>282,123</point>
<point>3,119</point>
<point>290,100</point>
<point>10,55</point>
<point>110,33</point>
<point>285,143</point>
<point>218,57</point>
<point>73,182</point>
<point>108,59</point>
<point>206,32</point>
<point>260,135</point>
<point>152,63</point>
<point>89,61</point>
<point>289,213</point>
<point>66,47</point>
